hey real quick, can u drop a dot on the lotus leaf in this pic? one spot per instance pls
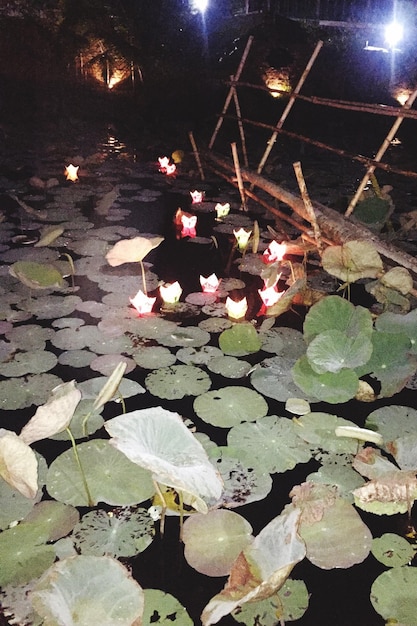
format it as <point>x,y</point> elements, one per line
<point>244,481</point>
<point>35,362</point>
<point>318,429</point>
<point>271,442</point>
<point>390,362</point>
<point>153,357</point>
<point>37,275</point>
<point>352,261</point>
<point>158,440</point>
<point>86,590</point>
<point>132,250</point>
<point>288,604</point>
<point>48,235</point>
<point>229,406</point>
<point>24,553</point>
<point>79,425</point>
<point>334,388</point>
<point>398,278</point>
<point>191,337</point>
<point>338,538</point>
<point>92,387</point>
<point>273,378</point>
<point>392,550</point>
<point>394,595</point>
<point>332,350</point>
<point>18,464</point>
<point>110,476</point>
<point>121,533</point>
<point>240,340</point>
<point>215,324</point>
<point>50,307</point>
<point>163,609</point>
<point>397,323</point>
<point>212,542</point>
<point>391,493</point>
<point>198,356</point>
<point>261,569</point>
<point>229,366</point>
<point>54,416</point>
<point>393,422</point>
<point>336,313</point>
<point>177,381</point>
<point>29,336</point>
<point>344,477</point>
<point>283,341</point>
<point>404,451</point>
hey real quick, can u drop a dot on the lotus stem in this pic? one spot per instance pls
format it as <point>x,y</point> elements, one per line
<point>142,267</point>
<point>164,508</point>
<point>90,501</point>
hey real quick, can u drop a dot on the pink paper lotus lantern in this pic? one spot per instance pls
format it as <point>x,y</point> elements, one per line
<point>270,295</point>
<point>142,303</point>
<point>188,225</point>
<point>209,284</point>
<point>197,196</point>
<point>170,293</point>
<point>236,309</point>
<point>274,252</point>
<point>166,167</point>
<point>71,172</point>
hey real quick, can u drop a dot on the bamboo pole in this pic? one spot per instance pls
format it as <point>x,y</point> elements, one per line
<point>380,154</point>
<point>240,125</point>
<point>308,206</point>
<point>239,179</point>
<point>336,228</point>
<point>196,154</point>
<point>289,106</point>
<point>230,94</point>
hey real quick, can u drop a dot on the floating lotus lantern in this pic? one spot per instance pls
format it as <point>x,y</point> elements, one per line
<point>236,309</point>
<point>242,238</point>
<point>189,223</point>
<point>197,196</point>
<point>270,295</point>
<point>170,293</point>
<point>142,303</point>
<point>222,209</point>
<point>209,284</point>
<point>166,167</point>
<point>71,172</point>
<point>274,252</point>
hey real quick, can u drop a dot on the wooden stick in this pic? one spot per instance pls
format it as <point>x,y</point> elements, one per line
<point>239,176</point>
<point>196,154</point>
<point>230,94</point>
<point>380,154</point>
<point>289,106</point>
<point>240,125</point>
<point>308,205</point>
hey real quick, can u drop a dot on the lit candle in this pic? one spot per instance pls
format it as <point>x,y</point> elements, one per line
<point>236,310</point>
<point>274,252</point>
<point>71,172</point>
<point>222,209</point>
<point>209,284</point>
<point>188,225</point>
<point>142,303</point>
<point>170,293</point>
<point>197,196</point>
<point>242,237</point>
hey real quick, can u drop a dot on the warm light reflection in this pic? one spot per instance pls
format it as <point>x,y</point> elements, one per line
<point>274,252</point>
<point>71,172</point>
<point>117,77</point>
<point>236,309</point>
<point>209,284</point>
<point>402,94</point>
<point>222,209</point>
<point>242,237</point>
<point>197,196</point>
<point>188,225</point>
<point>278,81</point>
<point>142,303</point>
<point>170,293</point>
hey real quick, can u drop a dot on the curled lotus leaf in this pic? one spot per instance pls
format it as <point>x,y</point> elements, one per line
<point>131,250</point>
<point>37,275</point>
<point>352,261</point>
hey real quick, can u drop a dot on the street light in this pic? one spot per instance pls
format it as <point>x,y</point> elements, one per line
<point>393,34</point>
<point>200,5</point>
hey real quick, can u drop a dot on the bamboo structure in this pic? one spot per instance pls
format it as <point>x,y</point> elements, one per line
<point>239,176</point>
<point>196,154</point>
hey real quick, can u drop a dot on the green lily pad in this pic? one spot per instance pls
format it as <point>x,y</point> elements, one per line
<point>273,378</point>
<point>177,381</point>
<point>318,429</point>
<point>240,340</point>
<point>392,550</point>
<point>110,477</point>
<point>153,357</point>
<point>163,609</point>
<point>190,336</point>
<point>352,261</point>
<point>229,406</point>
<point>336,313</point>
<point>394,595</point>
<point>288,604</point>
<point>333,350</point>
<point>24,553</point>
<point>87,590</point>
<point>37,275</point>
<point>229,366</point>
<point>334,388</point>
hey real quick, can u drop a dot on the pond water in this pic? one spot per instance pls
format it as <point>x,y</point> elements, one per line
<point>80,332</point>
